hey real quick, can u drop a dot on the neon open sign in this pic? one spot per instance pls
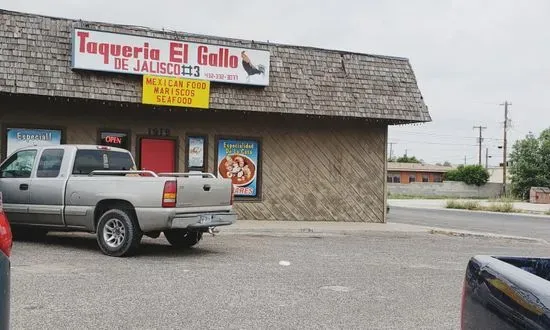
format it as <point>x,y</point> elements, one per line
<point>113,139</point>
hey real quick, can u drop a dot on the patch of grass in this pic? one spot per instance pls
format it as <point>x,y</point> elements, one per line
<point>503,200</point>
<point>463,205</point>
<point>503,207</point>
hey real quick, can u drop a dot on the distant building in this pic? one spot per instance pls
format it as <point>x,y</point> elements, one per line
<point>414,172</point>
<point>496,173</point>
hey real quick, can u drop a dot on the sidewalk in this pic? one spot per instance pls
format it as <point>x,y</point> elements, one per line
<point>326,228</point>
<point>440,204</point>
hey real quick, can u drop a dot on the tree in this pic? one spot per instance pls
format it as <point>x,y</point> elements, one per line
<point>447,163</point>
<point>406,159</point>
<point>530,163</point>
<point>469,174</point>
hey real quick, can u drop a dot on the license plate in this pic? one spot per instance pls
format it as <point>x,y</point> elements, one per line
<point>205,218</point>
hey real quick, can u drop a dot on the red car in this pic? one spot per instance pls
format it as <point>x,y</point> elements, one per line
<point>5,253</point>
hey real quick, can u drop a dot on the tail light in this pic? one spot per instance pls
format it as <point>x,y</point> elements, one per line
<point>5,234</point>
<point>169,194</point>
<point>232,195</point>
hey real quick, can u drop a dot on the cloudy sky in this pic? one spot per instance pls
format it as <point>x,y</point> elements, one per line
<point>469,56</point>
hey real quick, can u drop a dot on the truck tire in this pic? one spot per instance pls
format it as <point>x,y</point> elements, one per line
<point>182,238</point>
<point>118,234</point>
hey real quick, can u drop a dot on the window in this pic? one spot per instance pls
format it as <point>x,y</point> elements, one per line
<point>438,177</point>
<point>90,160</point>
<point>390,179</point>
<point>115,139</point>
<point>19,165</point>
<point>18,137</point>
<point>49,164</point>
<point>425,178</point>
<point>412,178</point>
<point>397,179</point>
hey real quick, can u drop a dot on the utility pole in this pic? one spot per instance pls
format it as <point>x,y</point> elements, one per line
<point>505,104</point>
<point>391,149</point>
<point>464,160</point>
<point>480,141</point>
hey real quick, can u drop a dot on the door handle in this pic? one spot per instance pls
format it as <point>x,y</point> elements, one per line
<point>206,187</point>
<point>23,186</point>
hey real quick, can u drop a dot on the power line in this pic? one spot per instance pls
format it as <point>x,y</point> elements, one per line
<point>444,135</point>
<point>438,143</point>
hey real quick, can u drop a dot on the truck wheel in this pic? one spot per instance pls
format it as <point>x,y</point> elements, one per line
<point>182,238</point>
<point>118,234</point>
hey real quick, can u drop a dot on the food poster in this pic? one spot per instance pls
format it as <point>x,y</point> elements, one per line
<point>21,137</point>
<point>238,161</point>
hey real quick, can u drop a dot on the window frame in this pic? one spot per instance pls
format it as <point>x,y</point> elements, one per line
<point>97,169</point>
<point>60,163</point>
<point>34,164</point>
<point>204,167</point>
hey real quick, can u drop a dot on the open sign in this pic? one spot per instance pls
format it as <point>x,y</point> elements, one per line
<point>113,139</point>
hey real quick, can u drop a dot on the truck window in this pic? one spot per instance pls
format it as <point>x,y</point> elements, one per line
<point>49,164</point>
<point>87,161</point>
<point>19,165</point>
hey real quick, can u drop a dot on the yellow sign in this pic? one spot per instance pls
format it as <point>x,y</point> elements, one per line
<point>177,92</point>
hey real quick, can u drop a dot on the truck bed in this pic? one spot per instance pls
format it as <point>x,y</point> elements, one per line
<point>502,292</point>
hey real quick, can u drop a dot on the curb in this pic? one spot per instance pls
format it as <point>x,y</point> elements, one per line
<point>329,232</point>
<point>460,233</point>
<point>527,213</point>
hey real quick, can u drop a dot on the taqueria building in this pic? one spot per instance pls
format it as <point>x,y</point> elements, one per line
<point>301,131</point>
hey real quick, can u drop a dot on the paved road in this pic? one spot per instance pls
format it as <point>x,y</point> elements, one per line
<point>367,281</point>
<point>508,224</point>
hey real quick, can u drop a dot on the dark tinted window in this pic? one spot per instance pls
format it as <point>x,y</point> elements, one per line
<point>87,161</point>
<point>19,165</point>
<point>50,163</point>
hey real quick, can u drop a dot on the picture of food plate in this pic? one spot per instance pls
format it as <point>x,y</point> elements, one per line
<point>239,168</point>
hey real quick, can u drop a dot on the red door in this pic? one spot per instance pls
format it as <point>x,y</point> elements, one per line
<point>158,155</point>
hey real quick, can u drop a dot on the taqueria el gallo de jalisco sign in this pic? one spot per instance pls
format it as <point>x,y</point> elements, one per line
<point>123,53</point>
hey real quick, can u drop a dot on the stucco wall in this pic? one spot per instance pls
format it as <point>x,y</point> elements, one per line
<point>446,189</point>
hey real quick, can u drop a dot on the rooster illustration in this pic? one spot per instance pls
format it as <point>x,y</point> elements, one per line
<point>249,67</point>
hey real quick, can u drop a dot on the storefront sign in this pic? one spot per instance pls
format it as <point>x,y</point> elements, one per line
<point>123,53</point>
<point>178,92</point>
<point>17,138</point>
<point>238,161</point>
<point>115,139</point>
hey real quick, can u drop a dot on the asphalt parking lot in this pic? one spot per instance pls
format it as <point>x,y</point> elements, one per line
<point>372,281</point>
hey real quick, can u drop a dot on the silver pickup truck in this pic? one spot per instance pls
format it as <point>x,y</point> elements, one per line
<point>97,189</point>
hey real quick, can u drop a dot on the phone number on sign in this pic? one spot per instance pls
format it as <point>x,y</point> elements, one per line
<point>221,76</point>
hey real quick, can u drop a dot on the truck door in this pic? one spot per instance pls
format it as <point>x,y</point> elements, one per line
<point>48,188</point>
<point>15,181</point>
